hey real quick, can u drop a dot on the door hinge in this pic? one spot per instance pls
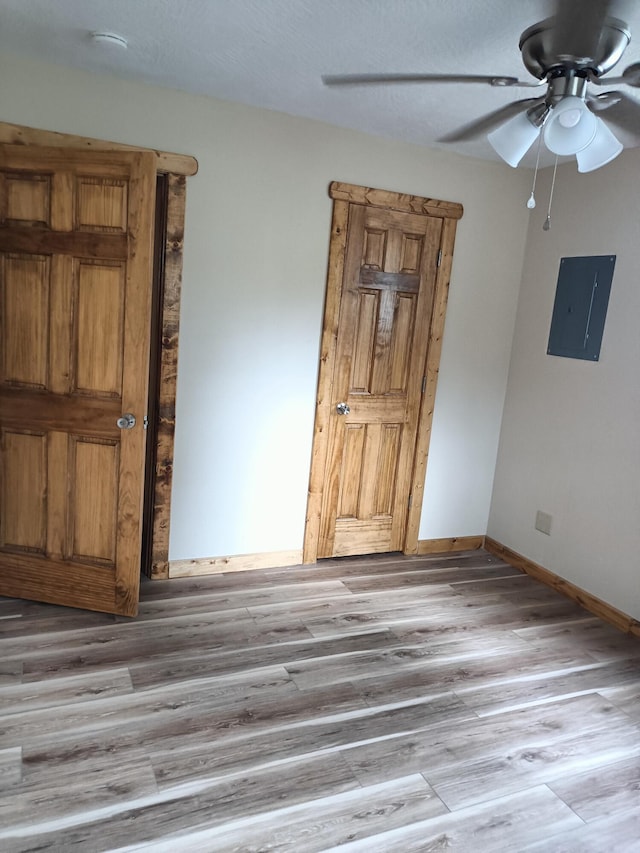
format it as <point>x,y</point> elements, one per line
<point>439,257</point>
<point>424,384</point>
<point>145,422</point>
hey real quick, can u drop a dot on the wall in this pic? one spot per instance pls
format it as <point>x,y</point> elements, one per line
<point>570,442</point>
<point>258,220</point>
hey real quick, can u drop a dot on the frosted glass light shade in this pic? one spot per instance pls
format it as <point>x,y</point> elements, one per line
<point>571,127</point>
<point>604,148</point>
<point>514,138</point>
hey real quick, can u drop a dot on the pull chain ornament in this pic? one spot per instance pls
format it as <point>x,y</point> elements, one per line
<point>547,222</point>
<point>531,203</point>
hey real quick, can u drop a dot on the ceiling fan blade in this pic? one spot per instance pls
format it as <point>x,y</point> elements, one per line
<point>630,77</point>
<point>489,122</point>
<point>383,79</point>
<point>623,114</point>
<point>578,27</point>
<point>604,101</point>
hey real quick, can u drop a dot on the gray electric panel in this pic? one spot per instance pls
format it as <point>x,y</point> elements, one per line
<point>580,307</point>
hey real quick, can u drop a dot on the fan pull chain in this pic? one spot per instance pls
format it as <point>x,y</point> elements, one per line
<point>547,222</point>
<point>531,203</point>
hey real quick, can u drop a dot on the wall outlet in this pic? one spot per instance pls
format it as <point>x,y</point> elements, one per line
<point>543,522</point>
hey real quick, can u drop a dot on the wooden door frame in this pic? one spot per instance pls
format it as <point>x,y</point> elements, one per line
<point>344,195</point>
<point>177,167</point>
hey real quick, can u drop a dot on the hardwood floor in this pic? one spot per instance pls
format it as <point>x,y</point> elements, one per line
<point>369,704</point>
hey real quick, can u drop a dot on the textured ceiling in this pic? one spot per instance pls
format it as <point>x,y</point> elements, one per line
<point>272,53</point>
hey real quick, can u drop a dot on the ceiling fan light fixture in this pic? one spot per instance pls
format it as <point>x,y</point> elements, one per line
<point>604,148</point>
<point>571,127</point>
<point>514,138</point>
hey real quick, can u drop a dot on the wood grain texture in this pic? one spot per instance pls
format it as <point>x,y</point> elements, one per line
<point>619,832</point>
<point>454,543</point>
<point>75,332</point>
<point>30,204</point>
<point>328,341</point>
<point>166,417</point>
<point>389,268</point>
<point>599,608</point>
<point>393,200</point>
<point>431,372</point>
<point>391,703</point>
<point>179,164</point>
<point>233,563</point>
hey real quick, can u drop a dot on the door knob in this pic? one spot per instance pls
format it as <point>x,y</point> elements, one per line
<point>343,408</point>
<point>126,421</point>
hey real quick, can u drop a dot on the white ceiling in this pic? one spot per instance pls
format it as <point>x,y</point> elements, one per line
<point>272,53</point>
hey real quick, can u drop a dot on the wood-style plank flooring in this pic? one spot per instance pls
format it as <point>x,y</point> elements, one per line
<point>369,704</point>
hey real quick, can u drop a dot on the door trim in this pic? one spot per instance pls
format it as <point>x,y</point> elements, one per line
<point>343,195</point>
<point>171,285</point>
<point>177,167</point>
<point>16,134</point>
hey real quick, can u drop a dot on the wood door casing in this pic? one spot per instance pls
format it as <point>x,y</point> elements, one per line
<point>76,232</point>
<point>169,333</point>
<point>389,269</point>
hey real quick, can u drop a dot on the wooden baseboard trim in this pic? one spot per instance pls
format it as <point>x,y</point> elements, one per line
<point>234,563</point>
<point>607,612</point>
<point>455,543</point>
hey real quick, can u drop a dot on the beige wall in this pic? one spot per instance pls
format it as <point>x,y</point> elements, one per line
<point>570,442</point>
<point>258,219</point>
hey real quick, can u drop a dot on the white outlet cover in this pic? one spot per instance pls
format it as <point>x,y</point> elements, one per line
<point>543,522</point>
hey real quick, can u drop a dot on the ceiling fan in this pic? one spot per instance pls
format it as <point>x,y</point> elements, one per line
<point>569,54</point>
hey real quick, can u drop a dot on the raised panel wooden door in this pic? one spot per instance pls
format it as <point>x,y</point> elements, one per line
<point>76,234</point>
<point>385,311</point>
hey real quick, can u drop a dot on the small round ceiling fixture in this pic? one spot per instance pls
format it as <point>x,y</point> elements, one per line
<point>109,40</point>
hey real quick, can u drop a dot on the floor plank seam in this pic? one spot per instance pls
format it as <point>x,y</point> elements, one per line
<point>369,705</point>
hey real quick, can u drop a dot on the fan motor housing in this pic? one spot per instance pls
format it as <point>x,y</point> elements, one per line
<point>540,57</point>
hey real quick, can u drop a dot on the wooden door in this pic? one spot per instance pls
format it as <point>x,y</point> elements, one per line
<point>76,236</point>
<point>390,287</point>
